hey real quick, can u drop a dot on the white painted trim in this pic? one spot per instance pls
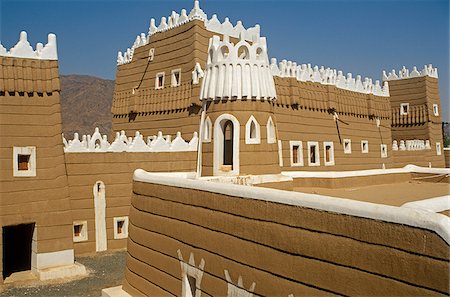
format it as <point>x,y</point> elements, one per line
<point>436,110</point>
<point>436,204</point>
<point>383,151</point>
<point>207,130</point>
<point>52,259</point>
<point>157,86</point>
<point>114,292</point>
<point>292,143</point>
<point>124,233</point>
<point>317,163</point>
<point>27,150</point>
<point>84,231</point>
<point>101,241</point>
<point>271,132</point>
<point>402,105</point>
<point>172,77</point>
<point>331,162</point>
<point>400,215</point>
<point>257,138</point>
<point>347,149</point>
<point>438,149</point>
<point>218,144</point>
<point>280,153</point>
<point>366,150</point>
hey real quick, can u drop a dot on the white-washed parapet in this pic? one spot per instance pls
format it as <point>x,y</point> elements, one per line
<point>405,73</point>
<point>23,49</point>
<point>411,145</point>
<point>122,143</point>
<point>177,19</point>
<point>238,70</point>
<point>328,76</point>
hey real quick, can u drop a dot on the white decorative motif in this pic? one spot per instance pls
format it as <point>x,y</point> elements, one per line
<point>191,275</point>
<point>23,49</point>
<point>411,145</point>
<point>238,290</point>
<point>237,71</point>
<point>405,73</point>
<point>328,76</point>
<point>160,143</point>
<point>197,73</point>
<point>176,20</point>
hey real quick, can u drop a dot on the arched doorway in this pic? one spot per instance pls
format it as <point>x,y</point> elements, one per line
<point>226,145</point>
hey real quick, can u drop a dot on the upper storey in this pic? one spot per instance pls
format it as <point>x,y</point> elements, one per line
<point>428,70</point>
<point>23,49</point>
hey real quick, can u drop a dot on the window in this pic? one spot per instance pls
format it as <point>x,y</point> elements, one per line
<point>404,108</point>
<point>252,131</point>
<point>24,161</point>
<point>313,153</point>
<point>296,149</point>
<point>176,77</point>
<point>438,148</point>
<point>207,130</point>
<point>271,135</point>
<point>80,231</point>
<point>383,150</point>
<point>120,227</point>
<point>364,146</point>
<point>159,84</point>
<point>436,110</point>
<point>347,146</point>
<point>328,150</point>
<point>151,54</point>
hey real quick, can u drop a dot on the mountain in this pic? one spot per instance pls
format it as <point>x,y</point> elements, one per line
<point>86,104</point>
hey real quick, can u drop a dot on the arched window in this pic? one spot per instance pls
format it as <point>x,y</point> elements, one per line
<point>252,131</point>
<point>207,130</point>
<point>243,53</point>
<point>228,144</point>
<point>271,134</point>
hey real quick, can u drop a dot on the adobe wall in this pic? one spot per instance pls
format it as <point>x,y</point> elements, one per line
<point>30,117</point>
<point>447,157</point>
<point>220,237</point>
<point>115,170</point>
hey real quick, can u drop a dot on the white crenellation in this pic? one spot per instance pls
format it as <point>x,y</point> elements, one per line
<point>411,145</point>
<point>328,76</point>
<point>23,49</point>
<point>405,73</point>
<point>122,143</point>
<point>176,20</point>
<point>238,70</point>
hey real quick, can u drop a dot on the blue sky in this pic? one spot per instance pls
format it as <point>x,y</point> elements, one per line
<point>361,37</point>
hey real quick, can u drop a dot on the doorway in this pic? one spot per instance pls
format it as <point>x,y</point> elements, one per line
<point>17,241</point>
<point>226,145</point>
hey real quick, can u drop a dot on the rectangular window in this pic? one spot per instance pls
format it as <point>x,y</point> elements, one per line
<point>296,149</point>
<point>364,146</point>
<point>438,148</point>
<point>404,108</point>
<point>328,153</point>
<point>313,153</point>
<point>120,227</point>
<point>383,150</point>
<point>347,146</point>
<point>80,231</point>
<point>436,110</point>
<point>176,77</point>
<point>159,84</point>
<point>24,161</point>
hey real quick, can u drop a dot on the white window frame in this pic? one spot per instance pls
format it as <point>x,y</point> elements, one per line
<point>331,162</point>
<point>271,133</point>
<point>348,149</point>
<point>436,110</point>
<point>124,233</point>
<point>173,82</point>
<point>317,163</point>
<point>84,231</point>
<point>366,150</point>
<point>257,138</point>
<point>438,149</point>
<point>26,150</point>
<point>402,105</point>
<point>293,143</point>
<point>207,130</point>
<point>384,153</point>
<point>158,75</point>
<point>280,153</point>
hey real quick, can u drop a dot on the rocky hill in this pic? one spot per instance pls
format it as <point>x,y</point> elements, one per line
<point>86,104</point>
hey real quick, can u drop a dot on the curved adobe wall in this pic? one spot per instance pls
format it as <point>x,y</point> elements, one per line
<point>279,245</point>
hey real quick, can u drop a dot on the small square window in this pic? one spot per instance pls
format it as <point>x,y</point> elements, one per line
<point>120,227</point>
<point>24,161</point>
<point>436,110</point>
<point>383,148</point>
<point>313,153</point>
<point>438,148</point>
<point>296,153</point>
<point>364,146</point>
<point>176,78</point>
<point>328,153</point>
<point>404,108</point>
<point>347,146</point>
<point>159,84</point>
<point>80,231</point>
